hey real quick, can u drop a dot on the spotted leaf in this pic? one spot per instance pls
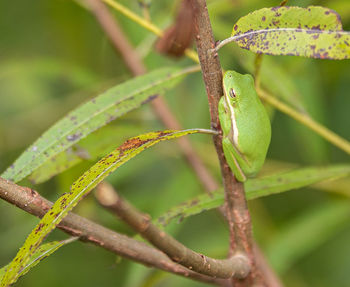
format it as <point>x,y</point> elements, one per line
<point>314,32</point>
<point>91,148</point>
<point>257,187</point>
<point>39,255</point>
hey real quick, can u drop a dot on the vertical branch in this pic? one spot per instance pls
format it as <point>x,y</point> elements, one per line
<point>236,266</point>
<point>236,206</point>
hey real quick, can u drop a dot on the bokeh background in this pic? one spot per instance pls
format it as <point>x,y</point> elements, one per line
<point>54,56</point>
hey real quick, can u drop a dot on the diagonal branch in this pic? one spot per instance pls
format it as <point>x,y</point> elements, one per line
<point>30,201</point>
<point>236,266</point>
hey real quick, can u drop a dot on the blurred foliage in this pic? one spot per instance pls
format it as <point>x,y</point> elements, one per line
<point>54,56</point>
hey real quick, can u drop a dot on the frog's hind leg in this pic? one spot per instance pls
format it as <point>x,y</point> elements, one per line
<point>231,158</point>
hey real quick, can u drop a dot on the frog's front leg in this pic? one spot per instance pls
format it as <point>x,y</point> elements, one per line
<point>232,158</point>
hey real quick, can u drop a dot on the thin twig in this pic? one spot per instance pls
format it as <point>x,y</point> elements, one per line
<point>257,69</point>
<point>30,201</point>
<point>160,107</point>
<point>236,266</point>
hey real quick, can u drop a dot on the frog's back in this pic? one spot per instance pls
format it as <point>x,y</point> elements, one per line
<point>255,123</point>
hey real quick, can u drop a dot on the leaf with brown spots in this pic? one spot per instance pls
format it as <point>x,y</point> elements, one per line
<point>40,254</point>
<point>94,146</point>
<point>93,115</point>
<point>80,188</point>
<point>314,32</point>
<point>257,187</point>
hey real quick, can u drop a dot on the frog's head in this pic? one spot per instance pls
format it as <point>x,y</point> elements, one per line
<point>235,85</point>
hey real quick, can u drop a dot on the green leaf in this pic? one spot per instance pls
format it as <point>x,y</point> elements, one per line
<point>91,148</point>
<point>191,207</point>
<point>81,188</point>
<point>307,232</point>
<point>91,116</point>
<point>278,183</point>
<point>256,188</point>
<point>314,32</point>
<point>40,254</point>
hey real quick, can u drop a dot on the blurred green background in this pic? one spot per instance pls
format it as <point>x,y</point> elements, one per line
<point>54,56</point>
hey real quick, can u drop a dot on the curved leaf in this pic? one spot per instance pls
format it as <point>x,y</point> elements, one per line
<point>256,188</point>
<point>94,114</point>
<point>314,32</point>
<point>94,146</point>
<point>81,188</point>
<point>294,179</point>
<point>40,254</point>
<point>191,207</point>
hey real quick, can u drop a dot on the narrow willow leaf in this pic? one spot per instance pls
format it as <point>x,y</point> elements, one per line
<point>194,206</point>
<point>91,148</point>
<point>81,188</point>
<point>307,232</point>
<point>314,32</point>
<point>273,184</point>
<point>91,116</point>
<point>40,254</point>
<point>256,188</point>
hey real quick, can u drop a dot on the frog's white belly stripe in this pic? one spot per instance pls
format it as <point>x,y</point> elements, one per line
<point>239,168</point>
<point>233,122</point>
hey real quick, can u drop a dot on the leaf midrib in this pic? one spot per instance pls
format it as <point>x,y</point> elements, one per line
<point>149,86</point>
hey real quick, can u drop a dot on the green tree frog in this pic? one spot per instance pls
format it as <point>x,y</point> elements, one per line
<point>245,125</point>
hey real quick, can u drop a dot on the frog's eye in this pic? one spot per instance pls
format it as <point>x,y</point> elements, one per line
<point>232,93</point>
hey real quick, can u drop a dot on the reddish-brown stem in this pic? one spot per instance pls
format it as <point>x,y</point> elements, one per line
<point>236,207</point>
<point>236,266</point>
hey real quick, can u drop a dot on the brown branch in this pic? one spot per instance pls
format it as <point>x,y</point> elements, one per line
<point>30,201</point>
<point>236,266</point>
<point>236,207</point>
<point>132,60</point>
